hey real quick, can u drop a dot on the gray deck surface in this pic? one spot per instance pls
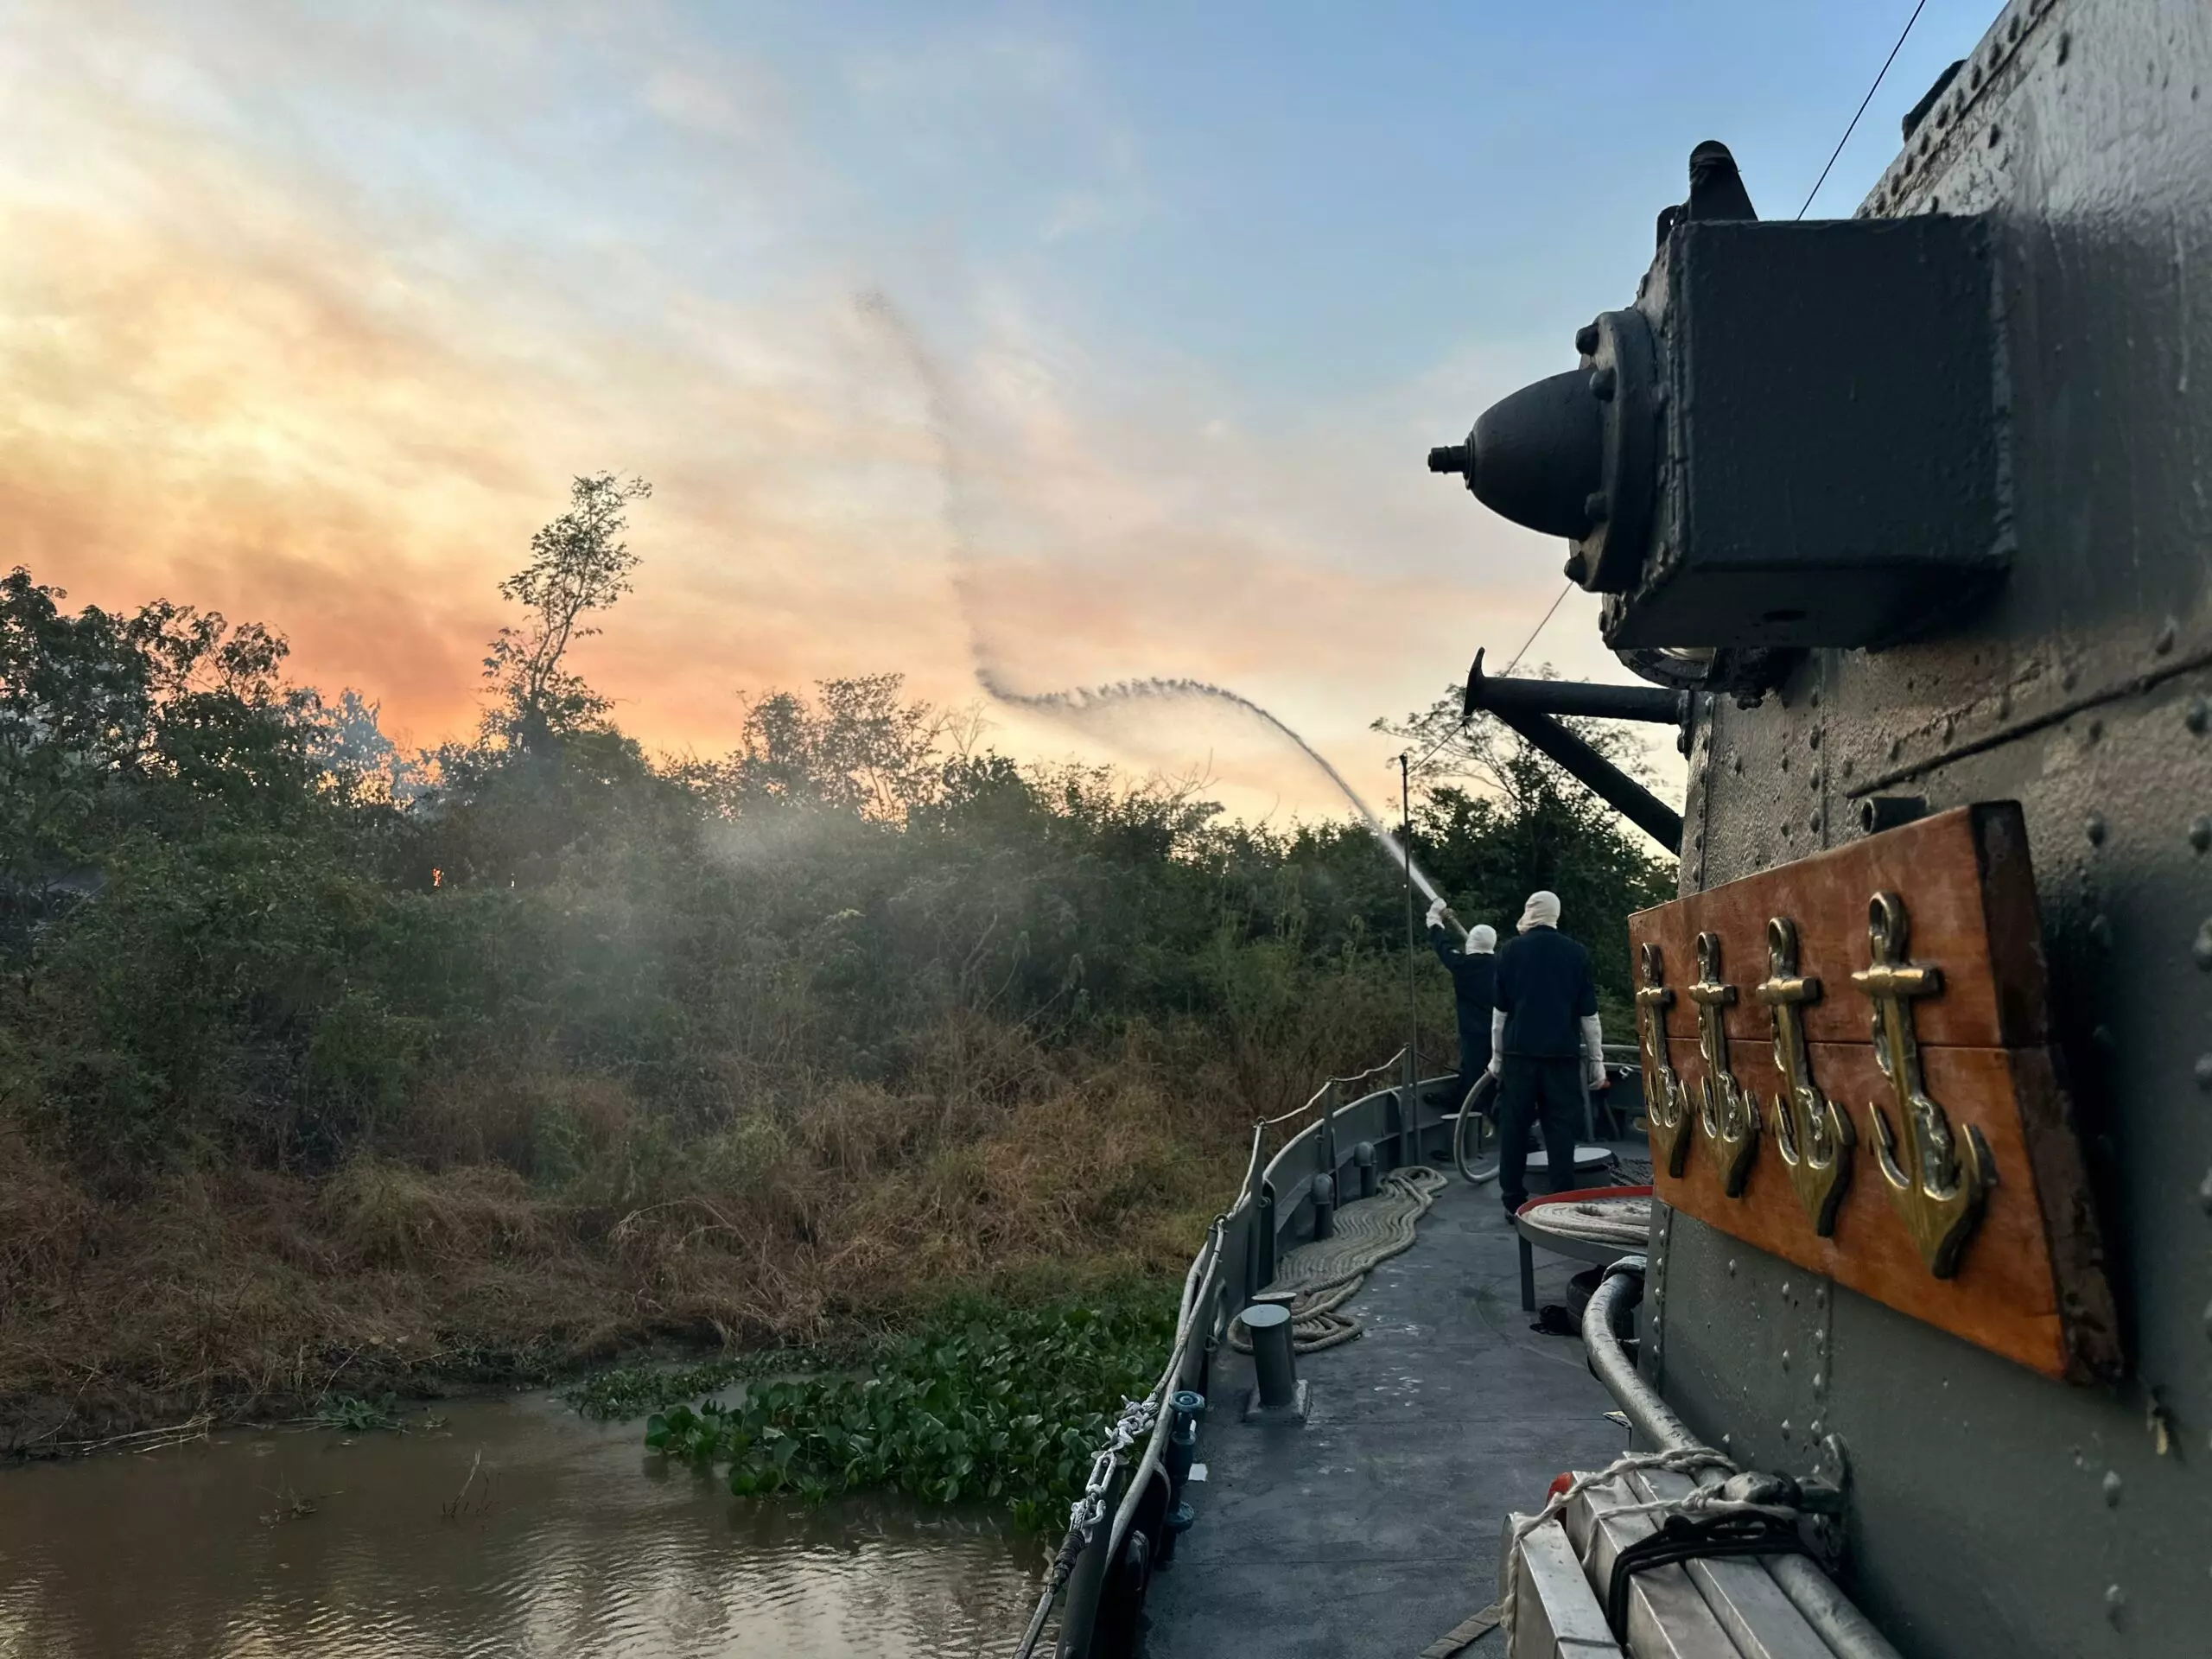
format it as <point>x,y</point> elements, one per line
<point>1373,1530</point>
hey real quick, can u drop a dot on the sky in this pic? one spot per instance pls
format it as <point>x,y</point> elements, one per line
<point>1055,345</point>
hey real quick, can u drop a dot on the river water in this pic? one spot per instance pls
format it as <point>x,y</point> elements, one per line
<point>515,1528</point>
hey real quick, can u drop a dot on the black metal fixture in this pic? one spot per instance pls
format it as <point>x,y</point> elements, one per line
<point>1792,439</point>
<point>1531,707</point>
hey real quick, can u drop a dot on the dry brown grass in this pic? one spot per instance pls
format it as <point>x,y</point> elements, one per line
<point>804,1210</point>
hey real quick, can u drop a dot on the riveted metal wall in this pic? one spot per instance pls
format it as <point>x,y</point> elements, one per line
<point>1996,1514</point>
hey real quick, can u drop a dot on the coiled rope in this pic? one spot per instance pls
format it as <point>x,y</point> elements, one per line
<point>1622,1221</point>
<point>1316,1278</point>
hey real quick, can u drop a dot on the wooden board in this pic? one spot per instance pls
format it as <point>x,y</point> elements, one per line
<point>2030,1283</point>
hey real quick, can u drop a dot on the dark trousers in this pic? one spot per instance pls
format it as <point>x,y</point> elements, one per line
<point>1533,1092</point>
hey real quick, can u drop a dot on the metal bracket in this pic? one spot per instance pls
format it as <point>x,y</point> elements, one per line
<point>1522,705</point>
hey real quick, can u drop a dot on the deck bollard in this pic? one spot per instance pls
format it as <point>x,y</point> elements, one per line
<point>1269,1323</point>
<point>1363,1158</point>
<point>1181,1519</point>
<point>1324,1205</point>
<point>1263,1252</point>
<point>1183,1438</point>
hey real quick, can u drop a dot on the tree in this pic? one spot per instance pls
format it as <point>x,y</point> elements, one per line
<point>579,564</point>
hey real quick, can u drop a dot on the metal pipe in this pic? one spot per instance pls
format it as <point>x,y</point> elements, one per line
<point>1599,776</point>
<point>1409,1152</point>
<point>1573,698</point>
<point>1363,1159</point>
<point>1324,1206</point>
<point>1846,1631</point>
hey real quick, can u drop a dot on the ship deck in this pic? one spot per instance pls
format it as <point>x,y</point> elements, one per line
<point>1373,1528</point>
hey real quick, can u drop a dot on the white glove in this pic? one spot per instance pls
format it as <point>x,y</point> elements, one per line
<point>1496,1042</point>
<point>1436,913</point>
<point>1594,1051</point>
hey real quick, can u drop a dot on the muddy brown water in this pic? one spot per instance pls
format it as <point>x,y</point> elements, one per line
<point>567,1540</point>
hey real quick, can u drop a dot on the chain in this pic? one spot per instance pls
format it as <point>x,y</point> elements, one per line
<point>1086,1512</point>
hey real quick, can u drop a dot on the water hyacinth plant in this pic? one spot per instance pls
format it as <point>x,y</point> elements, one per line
<point>997,1404</point>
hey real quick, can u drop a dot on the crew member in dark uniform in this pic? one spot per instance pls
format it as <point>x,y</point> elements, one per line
<point>1473,968</point>
<point>1545,1044</point>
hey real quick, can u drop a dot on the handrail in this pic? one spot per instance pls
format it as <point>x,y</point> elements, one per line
<point>1846,1631</point>
<point>1198,1291</point>
<point>1333,1082</point>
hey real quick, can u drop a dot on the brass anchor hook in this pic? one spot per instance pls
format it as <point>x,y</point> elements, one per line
<point>1812,1138</point>
<point>1939,1196</point>
<point>1728,1114</point>
<point>1668,1111</point>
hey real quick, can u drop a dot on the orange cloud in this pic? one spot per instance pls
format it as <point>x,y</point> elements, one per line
<point>241,376</point>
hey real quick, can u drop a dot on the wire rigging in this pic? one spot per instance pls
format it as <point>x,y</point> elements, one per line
<point>1863,103</point>
<point>1455,731</point>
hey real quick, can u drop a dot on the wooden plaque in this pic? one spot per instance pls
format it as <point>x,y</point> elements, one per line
<point>2021,1270</point>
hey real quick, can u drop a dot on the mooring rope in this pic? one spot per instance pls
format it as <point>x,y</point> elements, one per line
<point>1316,1278</point>
<point>1622,1221</point>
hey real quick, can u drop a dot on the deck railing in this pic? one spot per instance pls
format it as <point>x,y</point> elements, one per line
<point>1100,1574</point>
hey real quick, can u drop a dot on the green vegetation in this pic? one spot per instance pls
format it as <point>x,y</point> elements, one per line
<point>998,1404</point>
<point>635,1389</point>
<point>322,1059</point>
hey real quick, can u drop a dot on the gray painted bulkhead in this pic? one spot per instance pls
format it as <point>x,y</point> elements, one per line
<point>1994,1513</point>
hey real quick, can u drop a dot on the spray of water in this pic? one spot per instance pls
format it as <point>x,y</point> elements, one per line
<point>1088,699</point>
<point>878,309</point>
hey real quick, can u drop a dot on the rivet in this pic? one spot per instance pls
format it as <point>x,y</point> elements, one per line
<point>1816,1428</point>
<point>1819,1338</point>
<point>2164,642</point>
<point>2094,829</point>
<point>2115,1598</point>
<point>2202,1071</point>
<point>2101,931</point>
<point>1820,1296</point>
<point>1736,763</point>
<point>1785,1429</point>
<point>2205,1193</point>
<point>2199,832</point>
<point>2199,714</point>
<point>1785,1290</point>
<point>2201,947</point>
<point>2112,1489</point>
<point>1731,1267</point>
<point>1848,765</point>
<point>1813,822</point>
<point>2097,732</point>
<point>1785,1359</point>
<point>1813,739</point>
<point>1785,762</point>
<point>1897,747</point>
<point>1727,1441</point>
<point>2069,679</point>
<point>1820,1381</point>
